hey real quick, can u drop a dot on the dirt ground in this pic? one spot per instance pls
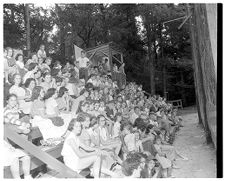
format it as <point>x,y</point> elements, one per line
<point>190,141</point>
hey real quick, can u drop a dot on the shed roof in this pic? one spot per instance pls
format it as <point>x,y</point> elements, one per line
<point>104,50</point>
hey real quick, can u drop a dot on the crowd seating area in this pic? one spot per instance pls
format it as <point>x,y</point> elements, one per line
<point>96,127</point>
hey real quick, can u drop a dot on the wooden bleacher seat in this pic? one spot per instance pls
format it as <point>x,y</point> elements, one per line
<point>54,151</point>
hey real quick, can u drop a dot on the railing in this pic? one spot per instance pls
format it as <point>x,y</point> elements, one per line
<point>176,103</point>
<point>53,163</point>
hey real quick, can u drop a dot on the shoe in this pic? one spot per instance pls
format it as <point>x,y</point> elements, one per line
<point>113,165</point>
<point>185,159</point>
<point>175,167</point>
<point>28,177</point>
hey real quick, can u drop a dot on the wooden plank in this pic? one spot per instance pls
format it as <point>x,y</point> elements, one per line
<point>110,61</point>
<point>38,153</point>
<point>117,59</point>
<point>53,151</point>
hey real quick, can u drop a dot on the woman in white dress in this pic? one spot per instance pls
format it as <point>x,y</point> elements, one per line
<point>78,156</point>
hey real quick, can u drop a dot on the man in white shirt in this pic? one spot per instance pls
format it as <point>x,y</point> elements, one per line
<point>83,63</point>
<point>41,52</point>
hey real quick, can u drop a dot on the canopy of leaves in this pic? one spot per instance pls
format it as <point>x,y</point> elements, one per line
<point>89,25</point>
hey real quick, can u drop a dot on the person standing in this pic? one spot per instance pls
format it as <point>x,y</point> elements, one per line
<point>83,63</point>
<point>41,52</point>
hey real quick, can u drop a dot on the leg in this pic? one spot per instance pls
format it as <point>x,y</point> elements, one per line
<point>26,165</point>
<point>108,172</point>
<point>88,161</point>
<point>169,172</point>
<point>15,168</point>
<point>113,145</point>
<point>86,74</point>
<point>164,173</point>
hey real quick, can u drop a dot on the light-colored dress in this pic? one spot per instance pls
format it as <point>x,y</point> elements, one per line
<point>69,156</point>
<point>165,162</point>
<point>46,126</point>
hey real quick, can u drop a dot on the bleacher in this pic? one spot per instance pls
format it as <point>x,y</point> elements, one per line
<point>41,155</point>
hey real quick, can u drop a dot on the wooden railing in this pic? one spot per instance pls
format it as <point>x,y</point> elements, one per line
<point>51,161</point>
<point>176,103</point>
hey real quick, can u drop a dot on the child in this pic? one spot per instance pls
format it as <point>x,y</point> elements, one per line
<point>132,141</point>
<point>117,125</point>
<point>161,157</point>
<point>12,116</point>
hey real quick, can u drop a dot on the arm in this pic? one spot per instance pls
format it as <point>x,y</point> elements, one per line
<point>107,133</point>
<point>87,148</point>
<point>57,111</point>
<point>146,139</point>
<point>94,140</point>
<point>78,152</point>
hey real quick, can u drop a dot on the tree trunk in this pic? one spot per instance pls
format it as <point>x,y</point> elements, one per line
<point>150,55</point>
<point>28,38</point>
<point>61,32</point>
<point>152,71</point>
<point>183,90</point>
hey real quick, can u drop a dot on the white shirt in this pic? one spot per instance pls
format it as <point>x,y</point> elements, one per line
<point>21,92</point>
<point>41,54</point>
<point>133,117</point>
<point>83,62</point>
<point>51,104</point>
<point>116,129</point>
<point>20,64</point>
<point>130,140</point>
<point>29,74</point>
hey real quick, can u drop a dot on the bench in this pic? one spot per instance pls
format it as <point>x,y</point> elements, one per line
<point>35,162</point>
<point>176,103</point>
<point>53,151</point>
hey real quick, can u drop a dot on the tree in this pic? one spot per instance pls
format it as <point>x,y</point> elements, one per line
<point>27,15</point>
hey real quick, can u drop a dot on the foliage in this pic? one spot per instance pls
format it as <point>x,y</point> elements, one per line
<point>149,45</point>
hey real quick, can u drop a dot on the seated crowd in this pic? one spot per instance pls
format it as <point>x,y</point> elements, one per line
<point>115,132</point>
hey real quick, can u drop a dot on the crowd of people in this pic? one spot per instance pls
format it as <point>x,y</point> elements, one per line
<point>114,131</point>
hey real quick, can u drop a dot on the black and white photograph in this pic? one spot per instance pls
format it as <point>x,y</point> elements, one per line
<point>111,90</point>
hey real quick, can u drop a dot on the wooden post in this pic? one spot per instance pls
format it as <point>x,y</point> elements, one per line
<point>182,89</point>
<point>163,68</point>
<point>28,30</point>
<point>110,60</point>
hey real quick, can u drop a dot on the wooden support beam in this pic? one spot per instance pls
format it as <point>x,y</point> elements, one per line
<point>104,53</point>
<point>110,61</point>
<point>117,59</point>
<point>41,155</point>
<point>121,57</point>
<point>92,54</point>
